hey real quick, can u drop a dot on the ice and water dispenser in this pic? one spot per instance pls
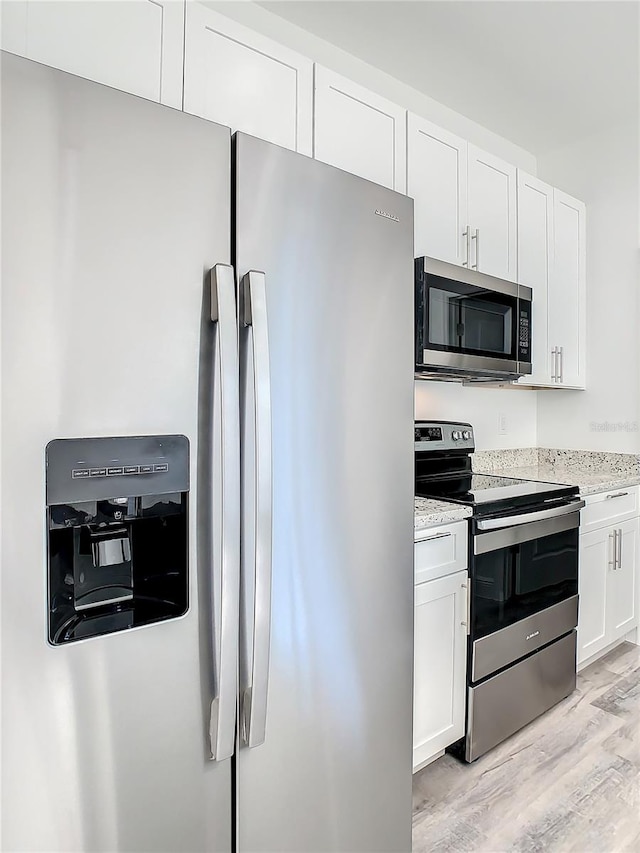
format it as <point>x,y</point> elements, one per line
<point>117,519</point>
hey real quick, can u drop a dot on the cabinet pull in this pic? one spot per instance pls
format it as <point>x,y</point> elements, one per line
<point>616,495</point>
<point>561,362</point>
<point>467,623</point>
<point>467,233</point>
<point>435,536</point>
<point>554,364</point>
<point>619,531</point>
<point>476,237</point>
<point>614,537</point>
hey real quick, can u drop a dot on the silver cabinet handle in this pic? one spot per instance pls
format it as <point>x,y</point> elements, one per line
<point>467,233</point>
<point>554,368</point>
<point>256,560</point>
<point>614,548</point>
<point>616,495</point>
<point>225,465</point>
<point>435,536</point>
<point>561,363</point>
<point>467,586</point>
<point>619,547</point>
<point>476,237</point>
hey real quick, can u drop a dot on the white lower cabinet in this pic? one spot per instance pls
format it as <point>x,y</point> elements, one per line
<point>440,653</point>
<point>608,586</point>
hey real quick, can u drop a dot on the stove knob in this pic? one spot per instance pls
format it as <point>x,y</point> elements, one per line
<point>466,435</point>
<point>455,435</point>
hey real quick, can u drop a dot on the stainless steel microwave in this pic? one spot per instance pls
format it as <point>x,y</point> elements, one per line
<point>470,325</point>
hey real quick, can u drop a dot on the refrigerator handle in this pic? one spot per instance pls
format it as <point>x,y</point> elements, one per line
<point>253,313</point>
<point>226,574</point>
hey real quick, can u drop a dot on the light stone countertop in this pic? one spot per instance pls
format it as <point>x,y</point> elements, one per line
<point>592,471</point>
<point>589,482</point>
<point>429,512</point>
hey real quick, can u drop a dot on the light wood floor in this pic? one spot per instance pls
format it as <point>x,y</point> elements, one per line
<point>570,781</point>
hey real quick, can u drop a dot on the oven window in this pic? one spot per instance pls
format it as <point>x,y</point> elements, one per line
<point>512,583</point>
<point>467,319</point>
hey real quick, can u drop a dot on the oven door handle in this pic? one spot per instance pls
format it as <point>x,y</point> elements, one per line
<point>525,518</point>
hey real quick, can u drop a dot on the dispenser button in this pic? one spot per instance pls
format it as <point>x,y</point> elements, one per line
<point>79,473</point>
<point>98,472</point>
<point>146,469</point>
<point>131,469</point>
<point>114,472</point>
<point>162,468</point>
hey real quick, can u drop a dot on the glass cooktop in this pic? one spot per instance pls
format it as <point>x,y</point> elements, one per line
<point>482,489</point>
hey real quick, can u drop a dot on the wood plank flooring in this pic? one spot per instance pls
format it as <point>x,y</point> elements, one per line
<point>570,781</point>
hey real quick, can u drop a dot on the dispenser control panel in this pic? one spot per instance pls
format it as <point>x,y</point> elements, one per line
<point>117,519</point>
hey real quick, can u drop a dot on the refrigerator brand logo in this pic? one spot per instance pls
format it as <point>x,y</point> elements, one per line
<point>387,215</point>
<point>531,636</point>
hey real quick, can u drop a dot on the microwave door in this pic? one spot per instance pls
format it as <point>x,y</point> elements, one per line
<point>486,327</point>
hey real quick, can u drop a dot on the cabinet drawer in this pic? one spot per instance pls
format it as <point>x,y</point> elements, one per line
<point>609,508</point>
<point>440,551</point>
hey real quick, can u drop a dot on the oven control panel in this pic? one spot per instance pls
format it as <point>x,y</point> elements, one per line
<point>443,435</point>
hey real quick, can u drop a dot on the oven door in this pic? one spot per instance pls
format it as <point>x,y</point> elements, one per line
<point>524,584</point>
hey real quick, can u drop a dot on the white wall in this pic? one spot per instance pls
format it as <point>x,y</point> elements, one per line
<point>602,170</point>
<point>480,406</point>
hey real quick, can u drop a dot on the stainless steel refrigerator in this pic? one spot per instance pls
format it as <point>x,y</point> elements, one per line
<point>274,714</point>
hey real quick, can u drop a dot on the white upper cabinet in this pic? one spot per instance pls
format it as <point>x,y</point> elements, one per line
<point>358,131</point>
<point>135,46</point>
<point>492,213</point>
<point>242,79</point>
<point>567,292</point>
<point>465,201</point>
<point>535,259</point>
<point>437,180</point>
<point>551,260</point>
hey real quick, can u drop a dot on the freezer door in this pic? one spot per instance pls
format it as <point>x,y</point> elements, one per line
<point>114,211</point>
<point>328,768</point>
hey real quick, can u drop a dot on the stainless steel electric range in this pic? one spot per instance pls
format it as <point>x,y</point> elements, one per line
<point>523,592</point>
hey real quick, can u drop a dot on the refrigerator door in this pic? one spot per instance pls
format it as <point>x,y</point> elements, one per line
<point>114,211</point>
<point>329,766</point>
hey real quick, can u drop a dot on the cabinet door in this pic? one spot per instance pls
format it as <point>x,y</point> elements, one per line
<point>440,656</point>
<point>624,582</point>
<point>535,258</point>
<point>596,564</point>
<point>246,81</point>
<point>567,293</point>
<point>437,180</point>
<point>492,214</point>
<point>135,46</point>
<point>358,131</point>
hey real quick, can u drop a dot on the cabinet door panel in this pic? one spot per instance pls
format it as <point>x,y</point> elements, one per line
<point>439,665</point>
<point>135,46</point>
<point>492,213</point>
<point>596,563</point>
<point>358,131</point>
<point>437,180</point>
<point>241,79</point>
<point>535,258</point>
<point>624,614</point>
<point>567,313</point>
